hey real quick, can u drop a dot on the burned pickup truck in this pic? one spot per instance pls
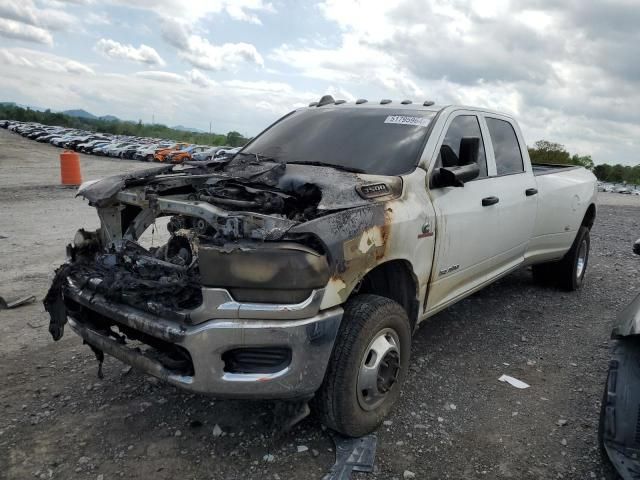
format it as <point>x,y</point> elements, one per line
<point>299,267</point>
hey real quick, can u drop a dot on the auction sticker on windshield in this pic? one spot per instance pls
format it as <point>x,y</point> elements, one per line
<point>405,120</point>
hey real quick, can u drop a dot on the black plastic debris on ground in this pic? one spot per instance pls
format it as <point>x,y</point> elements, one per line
<point>6,304</point>
<point>352,455</point>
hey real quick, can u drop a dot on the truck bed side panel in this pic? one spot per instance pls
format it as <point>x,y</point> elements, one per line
<point>563,198</point>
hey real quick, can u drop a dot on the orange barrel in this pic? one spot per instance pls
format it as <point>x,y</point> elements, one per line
<point>70,168</point>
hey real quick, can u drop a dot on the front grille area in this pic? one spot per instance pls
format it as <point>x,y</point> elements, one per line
<point>172,357</point>
<point>256,359</point>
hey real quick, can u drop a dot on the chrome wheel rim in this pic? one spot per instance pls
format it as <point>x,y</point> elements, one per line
<point>379,369</point>
<point>582,260</point>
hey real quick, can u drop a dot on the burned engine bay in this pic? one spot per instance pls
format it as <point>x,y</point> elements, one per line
<point>267,231</point>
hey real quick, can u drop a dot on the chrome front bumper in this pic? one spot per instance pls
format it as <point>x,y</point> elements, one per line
<point>310,339</point>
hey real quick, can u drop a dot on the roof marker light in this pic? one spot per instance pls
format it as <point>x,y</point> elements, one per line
<point>326,100</point>
<point>340,102</point>
<point>406,102</point>
<point>361,100</point>
<point>385,101</point>
<point>428,103</point>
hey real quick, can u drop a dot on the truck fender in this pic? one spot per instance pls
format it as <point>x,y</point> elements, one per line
<point>628,321</point>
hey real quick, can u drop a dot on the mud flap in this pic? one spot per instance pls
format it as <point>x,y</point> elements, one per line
<point>99,357</point>
<point>54,302</point>
<point>352,455</point>
<point>620,415</point>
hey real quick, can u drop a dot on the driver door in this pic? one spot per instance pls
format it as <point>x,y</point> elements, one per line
<point>466,217</point>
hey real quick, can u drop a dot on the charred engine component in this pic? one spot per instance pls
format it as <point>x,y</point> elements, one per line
<point>153,280</point>
<point>198,225</point>
<point>298,204</point>
<point>179,250</point>
<point>85,244</point>
<point>86,240</point>
<point>274,272</point>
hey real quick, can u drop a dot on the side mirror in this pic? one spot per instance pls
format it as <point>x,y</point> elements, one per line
<point>636,247</point>
<point>455,176</point>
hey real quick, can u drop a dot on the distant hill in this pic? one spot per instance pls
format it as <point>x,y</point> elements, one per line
<point>182,128</point>
<point>79,113</point>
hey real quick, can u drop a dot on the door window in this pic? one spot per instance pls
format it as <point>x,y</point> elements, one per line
<point>505,147</point>
<point>462,144</point>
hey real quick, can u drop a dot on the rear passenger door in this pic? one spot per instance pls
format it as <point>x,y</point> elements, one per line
<point>515,188</point>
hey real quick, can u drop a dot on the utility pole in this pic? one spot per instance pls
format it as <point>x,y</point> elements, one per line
<point>209,127</point>
<point>153,118</point>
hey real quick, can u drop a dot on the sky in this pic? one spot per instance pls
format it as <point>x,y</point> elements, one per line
<point>569,71</point>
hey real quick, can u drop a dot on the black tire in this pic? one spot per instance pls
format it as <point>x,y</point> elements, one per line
<point>569,272</point>
<point>608,469</point>
<point>339,402</point>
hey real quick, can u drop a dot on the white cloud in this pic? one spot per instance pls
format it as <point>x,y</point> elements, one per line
<point>260,86</point>
<point>196,77</point>
<point>27,12</point>
<point>193,10</point>
<point>142,54</point>
<point>351,63</point>
<point>22,57</point>
<point>201,53</point>
<point>239,11</point>
<point>168,77</point>
<point>21,31</point>
<point>227,56</point>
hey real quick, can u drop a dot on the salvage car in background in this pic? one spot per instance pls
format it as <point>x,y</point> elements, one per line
<point>619,432</point>
<point>208,154</point>
<point>185,154</point>
<point>299,267</point>
<point>162,154</point>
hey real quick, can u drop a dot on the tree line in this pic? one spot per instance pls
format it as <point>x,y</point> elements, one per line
<point>544,151</point>
<point>119,127</point>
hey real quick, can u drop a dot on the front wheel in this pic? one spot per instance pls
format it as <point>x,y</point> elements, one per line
<point>368,366</point>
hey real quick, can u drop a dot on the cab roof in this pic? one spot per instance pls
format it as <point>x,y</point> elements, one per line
<point>327,101</point>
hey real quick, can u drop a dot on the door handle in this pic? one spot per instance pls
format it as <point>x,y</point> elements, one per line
<point>530,191</point>
<point>489,201</point>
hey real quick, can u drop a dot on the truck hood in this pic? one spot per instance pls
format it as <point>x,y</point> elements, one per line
<point>244,184</point>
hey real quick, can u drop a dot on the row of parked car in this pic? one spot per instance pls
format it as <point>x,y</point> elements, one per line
<point>119,146</point>
<point>624,189</point>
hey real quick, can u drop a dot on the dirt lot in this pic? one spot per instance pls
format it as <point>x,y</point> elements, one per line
<point>455,420</point>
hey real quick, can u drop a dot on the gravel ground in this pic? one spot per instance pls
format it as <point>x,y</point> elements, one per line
<point>455,420</point>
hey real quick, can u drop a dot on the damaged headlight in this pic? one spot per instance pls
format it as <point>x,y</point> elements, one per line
<point>273,272</point>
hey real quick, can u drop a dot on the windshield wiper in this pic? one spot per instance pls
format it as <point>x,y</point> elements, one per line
<point>331,165</point>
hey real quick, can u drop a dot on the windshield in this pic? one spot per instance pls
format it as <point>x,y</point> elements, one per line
<point>380,141</point>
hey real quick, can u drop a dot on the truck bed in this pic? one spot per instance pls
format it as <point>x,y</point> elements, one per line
<point>547,168</point>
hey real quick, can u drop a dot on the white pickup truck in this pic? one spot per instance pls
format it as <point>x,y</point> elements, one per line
<point>299,268</point>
